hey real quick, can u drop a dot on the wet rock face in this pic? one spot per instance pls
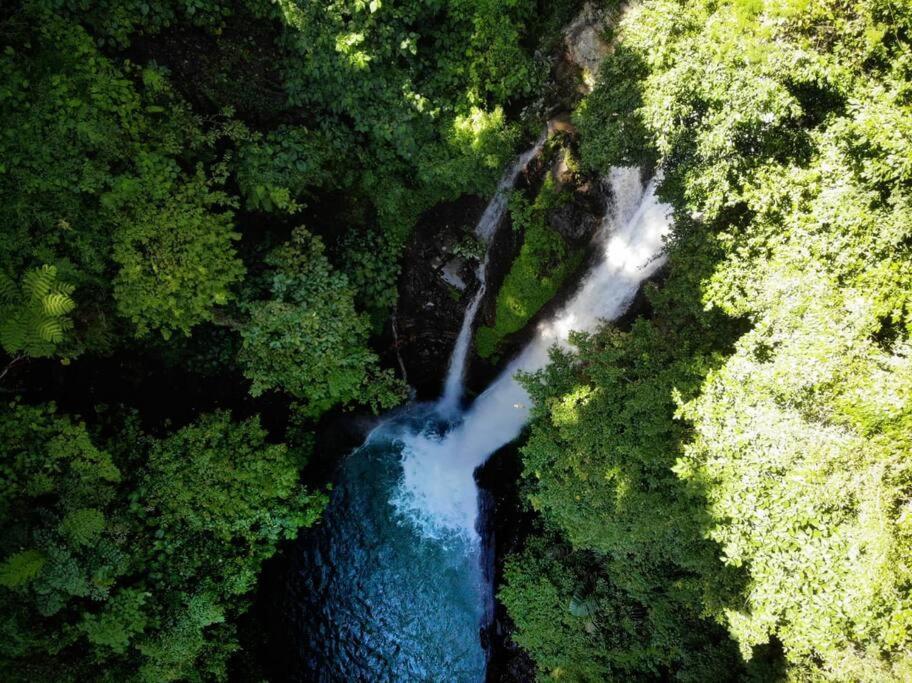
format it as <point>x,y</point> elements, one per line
<point>435,287</point>
<point>574,223</point>
<point>579,219</point>
<point>506,525</point>
<point>585,44</point>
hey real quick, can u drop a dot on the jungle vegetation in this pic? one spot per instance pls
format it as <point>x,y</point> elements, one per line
<point>202,208</point>
<point>203,205</point>
<point>723,487</point>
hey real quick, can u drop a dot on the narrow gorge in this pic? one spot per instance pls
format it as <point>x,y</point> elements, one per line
<point>455,340</point>
<point>394,580</point>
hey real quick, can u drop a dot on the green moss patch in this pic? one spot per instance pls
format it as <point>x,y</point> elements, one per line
<point>544,263</point>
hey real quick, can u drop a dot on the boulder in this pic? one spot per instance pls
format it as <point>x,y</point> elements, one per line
<point>578,220</point>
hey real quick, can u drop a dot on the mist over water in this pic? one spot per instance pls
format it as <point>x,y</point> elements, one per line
<point>391,584</point>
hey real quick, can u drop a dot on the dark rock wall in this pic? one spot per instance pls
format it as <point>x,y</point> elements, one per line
<point>430,310</point>
<point>506,523</point>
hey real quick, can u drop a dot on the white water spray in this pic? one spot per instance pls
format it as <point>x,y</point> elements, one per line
<point>438,490</point>
<point>484,230</point>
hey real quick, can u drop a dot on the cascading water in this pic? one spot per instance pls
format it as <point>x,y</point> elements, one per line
<point>438,487</point>
<point>391,586</point>
<point>484,230</point>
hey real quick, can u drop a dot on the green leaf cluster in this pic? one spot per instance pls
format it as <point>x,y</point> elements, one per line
<point>308,339</point>
<point>130,558</point>
<point>176,256</point>
<point>741,459</point>
<point>34,318</point>
<point>149,176</point>
<point>108,176</point>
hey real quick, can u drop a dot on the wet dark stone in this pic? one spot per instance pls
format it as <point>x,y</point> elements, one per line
<point>506,523</point>
<point>430,311</point>
<point>578,220</point>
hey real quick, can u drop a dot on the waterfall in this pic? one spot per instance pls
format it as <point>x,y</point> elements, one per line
<point>452,388</point>
<point>484,231</point>
<point>438,491</point>
<point>395,582</point>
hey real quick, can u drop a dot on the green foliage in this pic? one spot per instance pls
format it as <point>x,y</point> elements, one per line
<point>34,318</point>
<point>370,263</point>
<point>128,553</point>
<point>82,526</point>
<point>248,481</point>
<point>743,456</point>
<point>579,625</point>
<point>539,592</point>
<point>52,474</point>
<point>599,468</point>
<point>92,181</point>
<point>421,86</point>
<point>20,568</point>
<point>610,124</point>
<point>276,171</point>
<point>135,574</point>
<point>375,56</point>
<point>176,257</point>
<point>121,620</point>
<point>117,20</point>
<point>308,339</point>
<point>542,266</point>
<point>110,176</point>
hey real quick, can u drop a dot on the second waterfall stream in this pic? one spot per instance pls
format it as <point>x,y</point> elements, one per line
<point>390,587</point>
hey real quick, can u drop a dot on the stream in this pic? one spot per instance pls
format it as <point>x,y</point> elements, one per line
<point>393,585</point>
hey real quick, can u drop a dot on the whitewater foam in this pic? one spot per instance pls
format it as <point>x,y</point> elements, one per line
<point>438,492</point>
<point>449,402</point>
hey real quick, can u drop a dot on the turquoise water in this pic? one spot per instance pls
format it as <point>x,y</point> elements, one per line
<point>382,600</point>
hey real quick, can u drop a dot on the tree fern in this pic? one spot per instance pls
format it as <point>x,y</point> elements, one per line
<point>37,283</point>
<point>34,318</point>
<point>58,303</point>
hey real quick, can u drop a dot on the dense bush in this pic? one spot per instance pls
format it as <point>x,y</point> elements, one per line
<point>149,176</point>
<point>745,454</point>
<point>93,183</point>
<point>129,558</point>
<point>109,176</point>
<point>308,340</point>
<point>175,254</point>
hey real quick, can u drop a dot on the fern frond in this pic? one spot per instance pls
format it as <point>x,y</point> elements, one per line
<point>35,318</point>
<point>57,304</point>
<point>13,332</point>
<point>50,330</point>
<point>63,288</point>
<point>9,292</point>
<point>37,283</point>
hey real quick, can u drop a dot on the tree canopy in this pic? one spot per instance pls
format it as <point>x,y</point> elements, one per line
<point>741,459</point>
<point>203,205</point>
<point>129,553</point>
